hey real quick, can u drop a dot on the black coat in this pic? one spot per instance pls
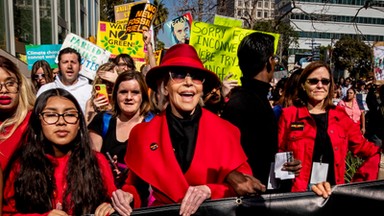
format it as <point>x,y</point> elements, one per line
<point>249,109</point>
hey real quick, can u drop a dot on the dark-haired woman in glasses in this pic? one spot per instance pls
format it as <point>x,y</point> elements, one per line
<point>320,134</point>
<point>55,171</point>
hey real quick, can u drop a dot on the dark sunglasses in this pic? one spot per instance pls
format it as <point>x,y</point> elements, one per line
<point>179,76</point>
<point>315,81</point>
<point>38,76</point>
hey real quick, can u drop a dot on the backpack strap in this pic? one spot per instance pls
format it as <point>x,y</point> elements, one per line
<point>106,119</point>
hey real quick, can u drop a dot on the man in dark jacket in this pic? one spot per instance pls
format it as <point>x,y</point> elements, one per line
<point>248,107</point>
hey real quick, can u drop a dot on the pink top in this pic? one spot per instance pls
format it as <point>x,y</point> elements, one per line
<point>353,112</point>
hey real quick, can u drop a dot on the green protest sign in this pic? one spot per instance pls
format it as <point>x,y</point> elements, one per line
<point>217,47</point>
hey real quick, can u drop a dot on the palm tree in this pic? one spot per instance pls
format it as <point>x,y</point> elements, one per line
<point>161,17</point>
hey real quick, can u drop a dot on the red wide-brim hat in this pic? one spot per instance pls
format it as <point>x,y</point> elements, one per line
<point>181,56</point>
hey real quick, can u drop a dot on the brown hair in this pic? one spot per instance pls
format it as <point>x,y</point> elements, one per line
<point>302,98</point>
<point>146,105</point>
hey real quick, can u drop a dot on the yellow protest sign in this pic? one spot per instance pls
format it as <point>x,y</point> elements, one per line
<point>217,47</point>
<point>122,11</point>
<point>227,21</point>
<point>112,37</point>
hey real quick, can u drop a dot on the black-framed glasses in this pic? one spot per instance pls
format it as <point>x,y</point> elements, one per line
<point>39,76</point>
<point>52,117</point>
<point>10,86</point>
<point>315,81</point>
<point>179,77</point>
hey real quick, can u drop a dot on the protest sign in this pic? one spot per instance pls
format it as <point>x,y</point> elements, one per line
<point>378,55</point>
<point>177,30</point>
<point>122,11</point>
<point>227,21</point>
<point>140,18</point>
<point>217,47</point>
<point>92,56</point>
<point>112,37</point>
<point>47,52</point>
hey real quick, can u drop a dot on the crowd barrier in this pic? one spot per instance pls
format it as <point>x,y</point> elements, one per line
<point>366,198</point>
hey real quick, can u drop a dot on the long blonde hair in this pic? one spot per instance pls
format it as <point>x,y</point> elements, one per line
<point>26,98</point>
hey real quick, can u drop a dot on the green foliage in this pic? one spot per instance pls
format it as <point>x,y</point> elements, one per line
<point>352,54</point>
<point>352,164</point>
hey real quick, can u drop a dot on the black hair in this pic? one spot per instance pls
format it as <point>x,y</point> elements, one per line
<point>34,184</point>
<point>254,52</point>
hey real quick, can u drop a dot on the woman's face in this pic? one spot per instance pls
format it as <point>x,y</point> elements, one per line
<point>184,92</point>
<point>350,94</point>
<point>39,76</point>
<point>60,130</point>
<point>9,92</point>
<point>317,85</point>
<point>129,97</point>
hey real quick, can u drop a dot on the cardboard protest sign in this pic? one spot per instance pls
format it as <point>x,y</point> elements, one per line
<point>217,47</point>
<point>47,52</point>
<point>227,21</point>
<point>378,55</point>
<point>112,37</point>
<point>177,30</point>
<point>122,11</point>
<point>92,56</point>
<point>141,17</point>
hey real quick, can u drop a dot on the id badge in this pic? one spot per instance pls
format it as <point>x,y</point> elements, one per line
<point>319,172</point>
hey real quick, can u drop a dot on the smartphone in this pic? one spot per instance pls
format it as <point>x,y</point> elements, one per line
<point>101,89</point>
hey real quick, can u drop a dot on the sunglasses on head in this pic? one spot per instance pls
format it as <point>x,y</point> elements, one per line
<point>315,81</point>
<point>179,76</point>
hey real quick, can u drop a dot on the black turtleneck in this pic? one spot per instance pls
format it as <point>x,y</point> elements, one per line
<point>183,133</point>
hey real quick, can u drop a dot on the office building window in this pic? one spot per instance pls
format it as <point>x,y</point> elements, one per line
<point>3,27</point>
<point>23,20</point>
<point>45,22</point>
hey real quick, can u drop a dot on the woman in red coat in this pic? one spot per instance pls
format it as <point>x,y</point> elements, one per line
<point>55,171</point>
<point>320,134</point>
<point>186,152</point>
<point>16,103</point>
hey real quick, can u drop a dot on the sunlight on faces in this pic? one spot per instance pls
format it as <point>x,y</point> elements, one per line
<point>8,98</point>
<point>129,97</point>
<point>317,92</point>
<point>184,96</point>
<point>70,68</point>
<point>61,132</point>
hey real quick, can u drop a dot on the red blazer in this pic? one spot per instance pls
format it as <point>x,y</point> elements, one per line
<point>9,146</point>
<point>150,156</point>
<point>344,135</point>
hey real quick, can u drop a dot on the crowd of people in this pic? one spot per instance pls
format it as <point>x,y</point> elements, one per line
<point>176,133</point>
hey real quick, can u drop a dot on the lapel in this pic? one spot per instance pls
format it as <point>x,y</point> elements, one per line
<point>150,155</point>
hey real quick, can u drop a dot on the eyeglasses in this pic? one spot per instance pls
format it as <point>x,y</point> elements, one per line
<point>315,81</point>
<point>10,86</point>
<point>52,117</point>
<point>122,64</point>
<point>39,76</point>
<point>179,77</point>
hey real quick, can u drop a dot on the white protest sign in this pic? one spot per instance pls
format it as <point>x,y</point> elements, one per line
<point>92,56</point>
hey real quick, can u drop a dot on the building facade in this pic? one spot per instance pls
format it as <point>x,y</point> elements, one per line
<point>247,10</point>
<point>323,22</point>
<point>27,22</point>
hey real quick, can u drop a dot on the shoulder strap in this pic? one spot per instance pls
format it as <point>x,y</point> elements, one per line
<point>149,117</point>
<point>106,119</point>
